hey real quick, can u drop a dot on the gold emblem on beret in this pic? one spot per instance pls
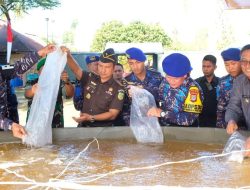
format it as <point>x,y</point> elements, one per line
<point>128,56</point>
<point>108,56</point>
<point>88,96</point>
<point>92,58</point>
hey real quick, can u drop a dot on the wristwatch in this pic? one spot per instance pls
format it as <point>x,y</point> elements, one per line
<point>92,119</point>
<point>10,127</point>
<point>163,113</point>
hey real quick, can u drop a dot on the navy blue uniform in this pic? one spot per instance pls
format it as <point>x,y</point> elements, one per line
<point>20,67</point>
<point>178,102</point>
<point>151,83</point>
<point>78,96</point>
<point>223,95</point>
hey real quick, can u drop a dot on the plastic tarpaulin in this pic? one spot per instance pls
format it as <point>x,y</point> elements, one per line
<point>146,129</point>
<point>39,122</point>
<point>234,145</point>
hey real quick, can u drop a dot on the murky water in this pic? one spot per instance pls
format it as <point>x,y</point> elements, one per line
<point>108,164</point>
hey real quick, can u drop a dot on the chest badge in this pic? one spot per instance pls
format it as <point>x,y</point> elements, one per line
<point>88,96</point>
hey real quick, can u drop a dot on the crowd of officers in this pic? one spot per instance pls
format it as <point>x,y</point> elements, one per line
<point>102,94</point>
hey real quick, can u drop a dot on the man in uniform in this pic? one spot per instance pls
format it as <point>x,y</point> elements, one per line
<point>140,76</point>
<point>92,64</point>
<point>231,59</point>
<point>239,104</point>
<point>103,96</point>
<point>181,97</point>
<point>20,67</point>
<point>208,84</point>
<point>118,72</point>
<point>118,76</point>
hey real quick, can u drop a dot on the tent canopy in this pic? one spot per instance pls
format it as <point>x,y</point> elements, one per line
<point>20,44</point>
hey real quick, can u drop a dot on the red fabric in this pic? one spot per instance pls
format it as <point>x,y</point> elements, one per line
<point>9,32</point>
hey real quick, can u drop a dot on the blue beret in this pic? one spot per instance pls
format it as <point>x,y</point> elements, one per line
<point>176,65</point>
<point>231,54</point>
<point>91,58</point>
<point>135,53</point>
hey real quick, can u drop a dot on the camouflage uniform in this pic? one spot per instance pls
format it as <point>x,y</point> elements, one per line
<point>20,67</point>
<point>223,95</point>
<point>151,83</point>
<point>12,104</point>
<point>58,120</point>
<point>172,102</point>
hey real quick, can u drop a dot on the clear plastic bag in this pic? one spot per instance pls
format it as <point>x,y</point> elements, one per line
<point>146,129</point>
<point>42,109</point>
<point>234,145</point>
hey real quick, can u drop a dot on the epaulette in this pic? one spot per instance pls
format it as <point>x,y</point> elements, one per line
<point>152,69</point>
<point>125,85</point>
<point>92,74</point>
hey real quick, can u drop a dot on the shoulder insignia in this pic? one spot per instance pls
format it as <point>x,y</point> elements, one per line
<point>151,69</point>
<point>120,95</point>
<point>193,102</point>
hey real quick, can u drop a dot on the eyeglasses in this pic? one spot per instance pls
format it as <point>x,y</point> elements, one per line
<point>244,62</point>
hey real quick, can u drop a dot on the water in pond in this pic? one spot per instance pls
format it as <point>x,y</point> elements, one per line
<point>112,162</point>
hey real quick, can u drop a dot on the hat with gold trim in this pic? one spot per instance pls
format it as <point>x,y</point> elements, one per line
<point>109,56</point>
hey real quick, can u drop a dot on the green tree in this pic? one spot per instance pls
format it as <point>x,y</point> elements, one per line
<point>23,6</point>
<point>135,32</point>
<point>109,32</point>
